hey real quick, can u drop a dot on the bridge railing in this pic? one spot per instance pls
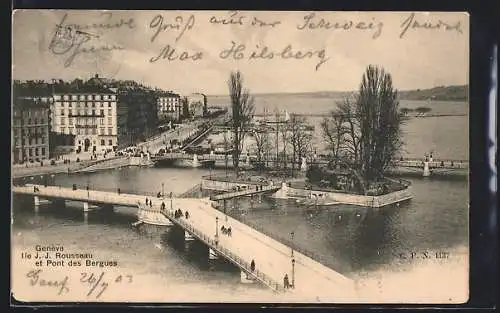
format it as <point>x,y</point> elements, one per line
<point>212,243</point>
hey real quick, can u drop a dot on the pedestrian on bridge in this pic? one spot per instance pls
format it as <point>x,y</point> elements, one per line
<point>252,265</point>
<point>163,205</point>
<point>286,282</point>
<point>147,201</point>
<point>187,214</point>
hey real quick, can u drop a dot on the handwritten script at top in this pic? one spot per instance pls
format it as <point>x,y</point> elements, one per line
<point>72,40</point>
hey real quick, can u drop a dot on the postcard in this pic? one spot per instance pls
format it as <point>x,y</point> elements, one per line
<point>240,156</point>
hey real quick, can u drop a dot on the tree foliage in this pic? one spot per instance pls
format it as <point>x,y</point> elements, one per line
<point>364,132</point>
<point>242,108</point>
<point>300,139</point>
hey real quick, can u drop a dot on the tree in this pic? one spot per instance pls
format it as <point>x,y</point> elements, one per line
<point>242,105</point>
<point>364,133</point>
<point>262,143</point>
<point>299,138</point>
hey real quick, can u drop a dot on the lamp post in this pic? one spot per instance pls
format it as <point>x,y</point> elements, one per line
<point>293,273</point>
<point>216,229</point>
<point>291,235</point>
<point>162,191</point>
<point>88,192</point>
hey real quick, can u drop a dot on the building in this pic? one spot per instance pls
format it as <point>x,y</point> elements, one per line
<point>30,129</point>
<point>169,107</point>
<point>139,119</point>
<point>197,104</point>
<point>85,118</point>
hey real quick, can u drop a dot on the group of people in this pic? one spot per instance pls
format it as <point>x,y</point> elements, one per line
<point>226,230</point>
<point>178,214</point>
<point>149,202</point>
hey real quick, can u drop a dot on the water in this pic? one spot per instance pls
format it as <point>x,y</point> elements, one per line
<point>362,244</point>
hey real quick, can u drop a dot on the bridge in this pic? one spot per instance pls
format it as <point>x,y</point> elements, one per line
<point>311,280</point>
<point>247,192</point>
<point>425,166</point>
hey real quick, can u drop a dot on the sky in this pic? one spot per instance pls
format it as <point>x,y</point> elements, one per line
<point>123,45</point>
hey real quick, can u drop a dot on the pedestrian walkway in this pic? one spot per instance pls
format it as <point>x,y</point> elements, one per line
<point>273,260</point>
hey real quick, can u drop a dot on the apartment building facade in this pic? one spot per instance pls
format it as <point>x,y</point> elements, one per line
<point>30,129</point>
<point>169,107</point>
<point>87,116</point>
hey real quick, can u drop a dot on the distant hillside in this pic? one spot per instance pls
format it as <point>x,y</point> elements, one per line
<point>441,93</point>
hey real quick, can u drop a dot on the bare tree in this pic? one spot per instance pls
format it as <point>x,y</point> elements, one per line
<point>365,135</point>
<point>299,138</point>
<point>262,143</point>
<point>242,105</point>
<point>284,133</point>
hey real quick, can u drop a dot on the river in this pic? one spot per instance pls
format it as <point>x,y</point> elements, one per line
<point>366,245</point>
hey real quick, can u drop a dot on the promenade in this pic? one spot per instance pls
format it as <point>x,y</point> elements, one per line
<point>313,281</point>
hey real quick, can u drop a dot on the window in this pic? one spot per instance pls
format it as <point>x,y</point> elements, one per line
<point>30,151</point>
<point>86,131</point>
<point>98,97</point>
<point>102,131</point>
<point>36,151</point>
<point>74,97</point>
<point>29,121</point>
<point>82,97</point>
<point>42,121</point>
<point>102,112</point>
<point>43,142</point>
<point>70,104</point>
<point>89,97</point>
<point>94,131</point>
<point>110,142</point>
<point>113,97</point>
<point>93,112</point>
<point>102,121</point>
<point>62,120</point>
<point>43,151</point>
<point>105,97</point>
<point>110,120</point>
<point>62,111</point>
<point>93,104</point>
<point>66,103</point>
<point>110,131</point>
<point>34,121</point>
<point>70,121</point>
<point>106,103</point>
<point>66,97</point>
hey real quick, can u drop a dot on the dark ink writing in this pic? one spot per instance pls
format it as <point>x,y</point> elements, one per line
<point>311,22</point>
<point>180,24</point>
<point>96,284</point>
<point>411,23</point>
<point>72,42</point>
<point>258,22</point>
<point>171,54</point>
<point>60,285</point>
<point>107,24</point>
<point>234,19</point>
<point>238,52</point>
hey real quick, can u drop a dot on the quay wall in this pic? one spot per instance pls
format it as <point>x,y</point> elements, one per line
<point>353,199</point>
<point>226,185</point>
<point>290,192</point>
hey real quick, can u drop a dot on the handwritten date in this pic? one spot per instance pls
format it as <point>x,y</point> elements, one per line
<point>95,284</point>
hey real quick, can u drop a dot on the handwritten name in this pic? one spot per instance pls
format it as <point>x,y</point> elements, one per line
<point>411,23</point>
<point>72,41</point>
<point>36,280</point>
<point>239,51</point>
<point>313,22</point>
<point>170,53</point>
<point>180,24</point>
